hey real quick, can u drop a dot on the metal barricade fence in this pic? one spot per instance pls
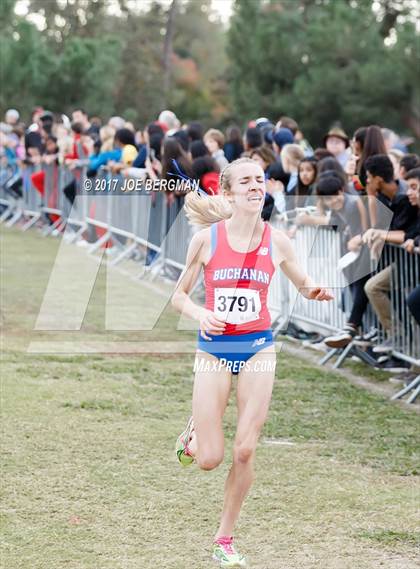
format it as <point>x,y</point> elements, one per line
<point>405,276</point>
<point>28,206</point>
<point>128,218</point>
<point>178,234</point>
<point>148,220</point>
<point>10,200</point>
<point>100,208</point>
<point>52,194</point>
<point>318,252</point>
<point>31,198</point>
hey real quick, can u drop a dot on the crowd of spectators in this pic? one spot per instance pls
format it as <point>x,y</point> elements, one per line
<point>367,186</point>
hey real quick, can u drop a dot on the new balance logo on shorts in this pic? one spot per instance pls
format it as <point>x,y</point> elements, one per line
<point>263,251</point>
<point>258,342</point>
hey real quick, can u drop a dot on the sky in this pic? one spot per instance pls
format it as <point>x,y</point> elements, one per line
<point>222,7</point>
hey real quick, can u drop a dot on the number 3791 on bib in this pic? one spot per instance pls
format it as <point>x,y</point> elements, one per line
<point>237,305</point>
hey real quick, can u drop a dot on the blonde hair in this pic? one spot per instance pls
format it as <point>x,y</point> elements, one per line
<point>106,135</point>
<point>291,154</point>
<point>204,210</point>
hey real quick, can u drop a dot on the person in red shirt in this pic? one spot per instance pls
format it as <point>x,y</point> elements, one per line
<point>80,149</point>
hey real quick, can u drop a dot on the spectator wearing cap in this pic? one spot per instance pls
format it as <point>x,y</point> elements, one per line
<point>291,124</point>
<point>233,147</point>
<point>337,142</point>
<point>281,137</point>
<point>214,140</point>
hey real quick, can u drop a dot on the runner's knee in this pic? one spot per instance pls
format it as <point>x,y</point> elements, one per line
<point>210,460</point>
<point>243,453</point>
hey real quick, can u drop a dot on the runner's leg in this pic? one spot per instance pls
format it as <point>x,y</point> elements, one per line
<point>210,397</point>
<point>253,401</point>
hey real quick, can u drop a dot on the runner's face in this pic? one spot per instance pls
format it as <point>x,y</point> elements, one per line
<point>247,188</point>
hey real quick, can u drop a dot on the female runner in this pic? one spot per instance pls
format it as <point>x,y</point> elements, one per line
<point>239,253</point>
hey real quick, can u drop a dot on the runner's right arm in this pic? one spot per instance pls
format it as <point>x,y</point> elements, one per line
<point>181,300</point>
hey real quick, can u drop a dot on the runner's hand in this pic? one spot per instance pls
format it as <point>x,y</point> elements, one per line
<point>319,293</point>
<point>210,324</point>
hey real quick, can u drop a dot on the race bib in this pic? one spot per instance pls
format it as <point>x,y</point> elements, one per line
<point>237,305</point>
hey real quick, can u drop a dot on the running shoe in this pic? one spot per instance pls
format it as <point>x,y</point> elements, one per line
<point>224,552</point>
<point>181,447</point>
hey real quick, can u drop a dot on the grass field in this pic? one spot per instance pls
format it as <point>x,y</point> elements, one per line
<point>89,479</point>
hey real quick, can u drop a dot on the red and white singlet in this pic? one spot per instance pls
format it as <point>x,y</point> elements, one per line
<point>237,283</point>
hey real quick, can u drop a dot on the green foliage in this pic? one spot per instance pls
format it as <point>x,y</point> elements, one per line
<point>320,62</point>
<point>37,70</point>
<point>111,64</point>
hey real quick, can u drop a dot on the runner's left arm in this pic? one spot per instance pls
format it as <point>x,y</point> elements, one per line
<point>294,272</point>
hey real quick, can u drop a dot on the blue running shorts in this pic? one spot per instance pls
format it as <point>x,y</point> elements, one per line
<point>233,349</point>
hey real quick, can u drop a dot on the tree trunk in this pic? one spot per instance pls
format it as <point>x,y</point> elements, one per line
<point>167,53</point>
